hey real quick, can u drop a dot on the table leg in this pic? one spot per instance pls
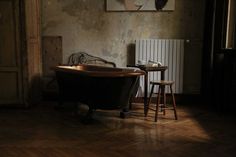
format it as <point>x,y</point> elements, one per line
<point>163,89</point>
<point>162,75</point>
<point>145,93</point>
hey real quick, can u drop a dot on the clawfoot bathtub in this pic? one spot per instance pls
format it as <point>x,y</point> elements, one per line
<point>99,87</point>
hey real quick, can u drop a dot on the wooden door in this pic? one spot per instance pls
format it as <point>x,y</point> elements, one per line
<point>10,63</point>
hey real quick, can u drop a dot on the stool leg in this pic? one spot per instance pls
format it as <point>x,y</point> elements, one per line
<point>158,102</point>
<point>149,100</point>
<point>164,101</point>
<point>174,104</point>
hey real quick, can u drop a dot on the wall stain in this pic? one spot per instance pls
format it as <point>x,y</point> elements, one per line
<point>108,53</point>
<point>88,13</point>
<point>50,25</point>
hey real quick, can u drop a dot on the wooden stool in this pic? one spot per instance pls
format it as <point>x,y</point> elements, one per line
<point>161,92</point>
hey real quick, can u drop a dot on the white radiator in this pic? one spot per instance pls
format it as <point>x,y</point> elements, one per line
<point>169,52</point>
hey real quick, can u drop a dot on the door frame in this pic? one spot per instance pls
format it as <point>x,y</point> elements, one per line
<point>33,58</point>
<point>31,50</point>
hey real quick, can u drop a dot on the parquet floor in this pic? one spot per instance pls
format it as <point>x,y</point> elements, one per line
<point>42,131</point>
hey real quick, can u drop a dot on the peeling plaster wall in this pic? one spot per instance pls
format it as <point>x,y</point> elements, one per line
<point>85,26</point>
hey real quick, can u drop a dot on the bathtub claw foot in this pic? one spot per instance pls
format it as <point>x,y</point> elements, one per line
<point>88,118</point>
<point>124,114</point>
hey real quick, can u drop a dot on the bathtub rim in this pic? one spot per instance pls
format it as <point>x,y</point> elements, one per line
<point>107,72</point>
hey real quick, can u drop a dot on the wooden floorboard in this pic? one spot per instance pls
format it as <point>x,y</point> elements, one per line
<point>42,131</point>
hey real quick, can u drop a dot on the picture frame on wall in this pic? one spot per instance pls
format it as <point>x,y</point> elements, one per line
<point>140,5</point>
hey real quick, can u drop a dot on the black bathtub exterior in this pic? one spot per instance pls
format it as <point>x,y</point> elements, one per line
<point>99,87</point>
